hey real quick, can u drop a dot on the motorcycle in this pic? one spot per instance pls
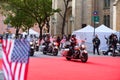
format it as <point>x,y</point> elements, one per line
<point>111,51</point>
<point>78,53</point>
<point>32,48</point>
<point>51,48</point>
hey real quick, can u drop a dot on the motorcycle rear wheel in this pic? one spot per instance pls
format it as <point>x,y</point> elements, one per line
<point>44,51</point>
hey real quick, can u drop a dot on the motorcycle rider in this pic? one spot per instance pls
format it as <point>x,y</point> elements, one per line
<point>47,40</point>
<point>73,42</point>
<point>112,43</point>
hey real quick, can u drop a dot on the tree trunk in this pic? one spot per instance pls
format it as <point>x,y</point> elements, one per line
<point>28,31</point>
<point>48,26</point>
<point>40,36</point>
<point>64,20</point>
<point>17,32</point>
<point>64,16</point>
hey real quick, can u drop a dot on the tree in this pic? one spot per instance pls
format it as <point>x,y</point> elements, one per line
<point>37,10</point>
<point>66,3</point>
<point>19,20</point>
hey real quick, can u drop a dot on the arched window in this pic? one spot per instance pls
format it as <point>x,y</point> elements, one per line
<point>107,20</point>
<point>106,3</point>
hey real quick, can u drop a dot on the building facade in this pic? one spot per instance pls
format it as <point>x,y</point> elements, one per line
<point>116,19</point>
<point>86,12</point>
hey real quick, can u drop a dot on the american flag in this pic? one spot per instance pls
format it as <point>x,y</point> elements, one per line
<point>15,59</point>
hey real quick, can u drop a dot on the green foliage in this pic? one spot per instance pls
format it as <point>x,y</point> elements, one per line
<point>27,12</point>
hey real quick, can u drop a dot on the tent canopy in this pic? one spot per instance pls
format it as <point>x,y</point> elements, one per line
<point>84,33</point>
<point>88,28</point>
<point>31,32</point>
<point>103,28</point>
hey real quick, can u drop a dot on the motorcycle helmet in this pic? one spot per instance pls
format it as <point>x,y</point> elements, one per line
<point>73,36</point>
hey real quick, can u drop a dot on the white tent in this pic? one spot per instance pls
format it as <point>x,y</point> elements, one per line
<point>103,28</point>
<point>88,28</point>
<point>103,31</point>
<point>86,34</point>
<point>31,32</point>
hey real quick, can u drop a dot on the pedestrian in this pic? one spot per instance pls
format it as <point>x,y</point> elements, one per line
<point>58,40</point>
<point>96,44</point>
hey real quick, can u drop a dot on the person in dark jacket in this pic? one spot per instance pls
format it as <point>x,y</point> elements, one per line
<point>96,44</point>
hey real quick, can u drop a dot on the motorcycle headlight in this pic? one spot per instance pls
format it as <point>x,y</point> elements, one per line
<point>56,47</point>
<point>85,51</point>
<point>55,43</point>
<point>36,42</point>
<point>83,47</point>
<point>32,47</point>
<point>31,43</point>
<point>76,48</point>
<point>111,48</point>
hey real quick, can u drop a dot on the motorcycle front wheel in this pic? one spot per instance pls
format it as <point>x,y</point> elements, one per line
<point>31,52</point>
<point>68,58</point>
<point>84,57</point>
<point>55,53</point>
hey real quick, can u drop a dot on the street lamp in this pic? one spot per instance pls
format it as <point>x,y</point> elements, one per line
<point>53,22</point>
<point>71,22</point>
<point>95,25</point>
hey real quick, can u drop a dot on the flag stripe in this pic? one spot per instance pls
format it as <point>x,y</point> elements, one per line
<point>17,71</point>
<point>14,66</point>
<point>23,72</point>
<point>5,66</point>
<point>20,70</point>
<point>5,73</point>
<point>6,48</point>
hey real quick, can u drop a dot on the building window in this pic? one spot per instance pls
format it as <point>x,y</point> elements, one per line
<point>107,20</point>
<point>106,3</point>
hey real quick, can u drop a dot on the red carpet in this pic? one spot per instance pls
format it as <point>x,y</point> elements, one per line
<point>97,68</point>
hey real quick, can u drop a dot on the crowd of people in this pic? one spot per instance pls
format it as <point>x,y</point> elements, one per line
<point>112,40</point>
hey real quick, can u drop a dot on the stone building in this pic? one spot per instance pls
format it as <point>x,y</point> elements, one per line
<point>116,19</point>
<point>86,12</point>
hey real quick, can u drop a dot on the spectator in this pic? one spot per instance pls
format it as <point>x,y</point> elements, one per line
<point>96,44</point>
<point>58,41</point>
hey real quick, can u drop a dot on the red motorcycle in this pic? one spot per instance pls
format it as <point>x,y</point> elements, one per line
<point>79,52</point>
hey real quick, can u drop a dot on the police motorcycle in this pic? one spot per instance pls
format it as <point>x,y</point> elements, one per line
<point>114,46</point>
<point>79,52</point>
<point>111,50</point>
<point>50,47</point>
<point>32,48</point>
